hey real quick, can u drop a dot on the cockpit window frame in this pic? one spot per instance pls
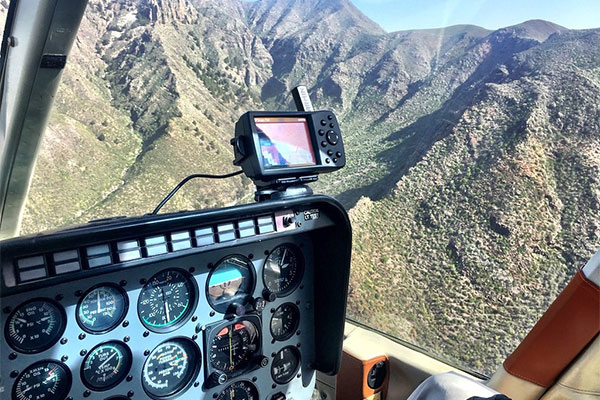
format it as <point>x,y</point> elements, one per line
<point>12,6</point>
<point>420,349</point>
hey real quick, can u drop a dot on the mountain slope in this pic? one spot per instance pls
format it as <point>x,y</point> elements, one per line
<point>509,211</point>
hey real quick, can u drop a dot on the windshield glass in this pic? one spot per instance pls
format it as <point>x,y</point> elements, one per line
<point>471,128</point>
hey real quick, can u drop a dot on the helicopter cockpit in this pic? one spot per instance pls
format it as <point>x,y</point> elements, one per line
<point>249,300</point>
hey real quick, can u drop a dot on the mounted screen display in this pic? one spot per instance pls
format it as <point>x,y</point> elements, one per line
<point>284,142</point>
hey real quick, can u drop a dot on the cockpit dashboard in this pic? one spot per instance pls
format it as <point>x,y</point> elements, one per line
<point>246,302</point>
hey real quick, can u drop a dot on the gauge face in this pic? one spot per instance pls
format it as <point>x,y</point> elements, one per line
<point>241,390</point>
<point>35,326</point>
<point>166,301</point>
<point>102,308</point>
<point>170,367</point>
<point>233,347</point>
<point>45,380</point>
<point>283,269</point>
<point>285,321</point>
<point>285,365</point>
<point>106,365</point>
<point>232,280</point>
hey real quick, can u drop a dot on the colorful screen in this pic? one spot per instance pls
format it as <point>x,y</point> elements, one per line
<point>284,142</point>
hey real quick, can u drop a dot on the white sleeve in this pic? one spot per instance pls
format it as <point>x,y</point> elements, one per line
<point>450,386</point>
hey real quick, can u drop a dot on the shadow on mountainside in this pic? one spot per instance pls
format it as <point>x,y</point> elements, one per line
<point>417,139</point>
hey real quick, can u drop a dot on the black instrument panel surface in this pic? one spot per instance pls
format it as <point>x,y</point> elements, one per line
<point>136,308</point>
<point>75,343</point>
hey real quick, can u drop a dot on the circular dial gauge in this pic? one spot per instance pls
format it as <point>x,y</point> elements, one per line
<point>241,390</point>
<point>170,367</point>
<point>106,365</point>
<point>285,321</point>
<point>283,269</point>
<point>166,301</point>
<point>232,280</point>
<point>45,380</point>
<point>35,326</point>
<point>285,364</point>
<point>233,346</point>
<point>102,308</point>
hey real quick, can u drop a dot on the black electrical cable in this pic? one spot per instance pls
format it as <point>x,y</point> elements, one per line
<point>189,178</point>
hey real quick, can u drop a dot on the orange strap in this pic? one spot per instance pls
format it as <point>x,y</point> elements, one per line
<point>570,323</point>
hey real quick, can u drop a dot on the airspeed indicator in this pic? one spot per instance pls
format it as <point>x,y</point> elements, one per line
<point>166,301</point>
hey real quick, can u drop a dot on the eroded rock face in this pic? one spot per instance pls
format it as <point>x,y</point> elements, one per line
<point>166,11</point>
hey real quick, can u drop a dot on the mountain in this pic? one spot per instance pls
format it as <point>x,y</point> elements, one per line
<point>473,174</point>
<point>500,207</point>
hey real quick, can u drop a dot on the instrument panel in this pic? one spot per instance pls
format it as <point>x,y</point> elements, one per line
<point>230,321</point>
<point>181,327</point>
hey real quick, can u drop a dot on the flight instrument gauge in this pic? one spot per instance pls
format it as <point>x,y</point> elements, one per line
<point>285,365</point>
<point>167,300</point>
<point>106,365</point>
<point>102,308</point>
<point>44,380</point>
<point>234,346</point>
<point>232,280</point>
<point>242,390</point>
<point>170,368</point>
<point>283,269</point>
<point>35,326</point>
<point>285,321</point>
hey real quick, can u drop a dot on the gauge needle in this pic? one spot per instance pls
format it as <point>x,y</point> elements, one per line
<point>282,257</point>
<point>166,305</point>
<point>167,311</point>
<point>21,320</point>
<point>107,360</point>
<point>50,376</point>
<point>230,350</point>
<point>98,302</point>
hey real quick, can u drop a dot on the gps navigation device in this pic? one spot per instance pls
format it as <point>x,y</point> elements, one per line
<point>287,148</point>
